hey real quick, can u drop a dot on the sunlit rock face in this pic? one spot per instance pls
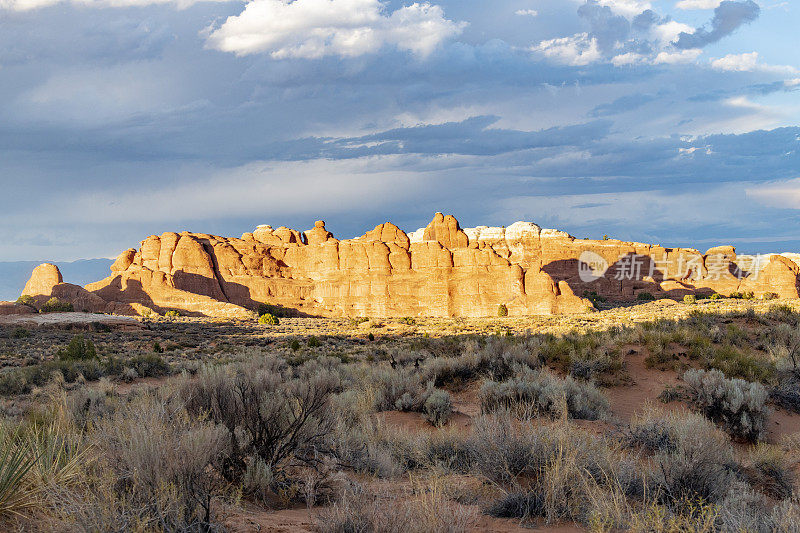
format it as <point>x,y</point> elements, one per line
<point>441,270</point>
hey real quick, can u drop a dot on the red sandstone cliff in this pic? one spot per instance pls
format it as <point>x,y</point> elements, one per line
<point>441,270</point>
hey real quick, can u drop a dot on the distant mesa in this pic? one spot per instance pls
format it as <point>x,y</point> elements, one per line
<point>441,270</point>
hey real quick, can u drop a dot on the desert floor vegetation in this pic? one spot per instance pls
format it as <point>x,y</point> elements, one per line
<point>654,417</point>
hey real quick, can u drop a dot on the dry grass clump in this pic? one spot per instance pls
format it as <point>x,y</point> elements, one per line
<point>428,510</point>
<point>770,470</point>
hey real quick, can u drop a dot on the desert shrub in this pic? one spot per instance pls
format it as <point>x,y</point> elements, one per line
<point>652,433</point>
<point>715,296</point>
<point>409,321</point>
<point>150,365</point>
<point>786,393</point>
<point>166,459</point>
<point>770,471</point>
<point>737,405</point>
<point>275,310</point>
<point>697,466</point>
<point>593,297</point>
<point>13,382</point>
<point>129,375</point>
<point>399,389</point>
<point>270,411</point>
<point>770,296</point>
<point>313,342</point>
<point>268,320</point>
<point>690,299</point>
<point>157,347</point>
<point>78,349</point>
<point>294,345</point>
<point>429,511</point>
<point>20,333</point>
<point>736,363</point>
<point>27,299</point>
<point>495,357</point>
<point>502,310</point>
<point>559,463</point>
<point>524,505</point>
<point>543,393</point>
<point>172,314</point>
<point>258,478</point>
<point>437,408</point>
<point>54,305</point>
<point>645,296</point>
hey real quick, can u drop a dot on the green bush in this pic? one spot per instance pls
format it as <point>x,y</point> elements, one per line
<point>294,345</point>
<point>26,299</point>
<point>645,296</point>
<point>690,299</point>
<point>274,310</point>
<point>78,349</point>
<point>150,365</point>
<point>715,296</point>
<point>502,310</point>
<point>54,305</point>
<point>172,314</point>
<point>268,320</point>
<point>314,342</point>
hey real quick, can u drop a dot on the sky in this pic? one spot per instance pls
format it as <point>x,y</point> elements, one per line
<point>675,122</point>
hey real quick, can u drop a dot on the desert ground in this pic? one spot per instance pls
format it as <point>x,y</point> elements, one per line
<point>654,416</point>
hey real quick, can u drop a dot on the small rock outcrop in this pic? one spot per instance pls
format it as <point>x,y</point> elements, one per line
<point>441,270</point>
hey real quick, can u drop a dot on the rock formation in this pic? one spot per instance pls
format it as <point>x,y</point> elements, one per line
<point>440,270</point>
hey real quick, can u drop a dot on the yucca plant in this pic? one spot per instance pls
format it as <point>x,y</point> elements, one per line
<point>17,492</point>
<point>58,453</point>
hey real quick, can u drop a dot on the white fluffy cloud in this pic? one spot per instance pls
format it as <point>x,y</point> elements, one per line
<point>318,28</point>
<point>675,58</point>
<point>748,62</point>
<point>577,50</point>
<point>698,4</point>
<point>526,12</point>
<point>628,8</point>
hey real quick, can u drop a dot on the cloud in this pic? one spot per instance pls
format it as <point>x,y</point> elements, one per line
<point>748,62</point>
<point>676,58</point>
<point>317,28</point>
<point>782,194</point>
<point>292,187</point>
<point>698,4</point>
<point>628,8</point>
<point>577,50</point>
<point>607,28</point>
<point>526,12</point>
<point>623,104</point>
<point>728,17</point>
<point>27,5</point>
